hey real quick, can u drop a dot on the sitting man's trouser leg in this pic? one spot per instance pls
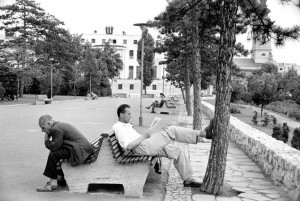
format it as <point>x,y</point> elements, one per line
<point>53,158</point>
<point>159,144</point>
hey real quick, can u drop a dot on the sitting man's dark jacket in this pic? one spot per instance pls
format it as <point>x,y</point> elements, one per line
<point>66,136</point>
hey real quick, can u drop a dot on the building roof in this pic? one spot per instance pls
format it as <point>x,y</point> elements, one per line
<point>246,62</point>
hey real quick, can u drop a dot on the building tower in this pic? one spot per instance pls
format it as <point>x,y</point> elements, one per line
<point>261,53</point>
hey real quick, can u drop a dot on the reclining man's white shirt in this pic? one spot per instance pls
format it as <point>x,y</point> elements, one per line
<point>125,133</point>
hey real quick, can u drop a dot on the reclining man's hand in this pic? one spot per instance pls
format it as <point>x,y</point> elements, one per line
<point>209,129</point>
<point>148,133</point>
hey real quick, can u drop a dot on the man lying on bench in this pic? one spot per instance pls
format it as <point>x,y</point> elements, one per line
<point>159,143</point>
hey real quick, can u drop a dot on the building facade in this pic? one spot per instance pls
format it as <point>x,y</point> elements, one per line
<point>128,80</point>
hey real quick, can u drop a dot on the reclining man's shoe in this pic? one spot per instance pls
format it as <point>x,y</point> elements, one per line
<point>209,130</point>
<point>191,183</point>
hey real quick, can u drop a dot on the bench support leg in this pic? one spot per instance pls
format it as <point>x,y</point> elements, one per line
<point>78,187</point>
<point>133,190</point>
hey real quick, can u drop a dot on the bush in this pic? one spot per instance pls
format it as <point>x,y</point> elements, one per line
<point>277,133</point>
<point>287,107</point>
<point>234,110</point>
<point>246,97</point>
<point>254,119</point>
<point>296,139</point>
<point>285,132</point>
<point>266,120</point>
<point>298,100</point>
<point>274,119</point>
<point>2,91</point>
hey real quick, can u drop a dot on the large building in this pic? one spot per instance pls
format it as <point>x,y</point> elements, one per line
<point>128,81</point>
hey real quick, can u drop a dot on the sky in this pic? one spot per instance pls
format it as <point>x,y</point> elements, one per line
<point>86,16</point>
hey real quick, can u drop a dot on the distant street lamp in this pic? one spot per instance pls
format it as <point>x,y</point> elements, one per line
<point>143,27</point>
<point>51,85</point>
<point>51,77</point>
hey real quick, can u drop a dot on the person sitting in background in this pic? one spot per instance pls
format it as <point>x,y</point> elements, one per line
<point>156,104</point>
<point>94,96</point>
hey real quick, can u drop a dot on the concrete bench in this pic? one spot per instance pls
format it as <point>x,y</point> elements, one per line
<point>114,166</point>
<point>168,107</point>
<point>42,99</point>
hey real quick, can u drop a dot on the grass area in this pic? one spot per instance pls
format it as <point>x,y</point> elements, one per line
<point>30,98</point>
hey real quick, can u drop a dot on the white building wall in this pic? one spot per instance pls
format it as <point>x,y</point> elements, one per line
<point>123,49</point>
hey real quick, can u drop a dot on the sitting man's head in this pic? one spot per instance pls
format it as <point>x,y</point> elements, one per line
<point>124,113</point>
<point>46,123</point>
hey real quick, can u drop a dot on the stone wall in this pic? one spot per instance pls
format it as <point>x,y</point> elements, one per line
<point>276,159</point>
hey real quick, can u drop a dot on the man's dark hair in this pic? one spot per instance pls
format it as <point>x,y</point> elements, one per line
<point>162,95</point>
<point>121,109</point>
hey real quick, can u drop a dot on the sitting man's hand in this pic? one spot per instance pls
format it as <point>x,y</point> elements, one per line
<point>46,137</point>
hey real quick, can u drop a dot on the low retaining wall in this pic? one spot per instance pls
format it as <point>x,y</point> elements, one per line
<point>276,159</point>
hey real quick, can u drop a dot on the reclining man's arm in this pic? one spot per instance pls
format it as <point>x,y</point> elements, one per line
<point>138,141</point>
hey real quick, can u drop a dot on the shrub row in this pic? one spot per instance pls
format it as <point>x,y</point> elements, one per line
<point>286,107</point>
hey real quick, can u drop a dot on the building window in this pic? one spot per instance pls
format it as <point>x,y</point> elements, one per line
<point>82,40</point>
<point>93,40</point>
<point>130,54</point>
<point>134,41</point>
<point>263,54</point>
<point>155,72</point>
<point>138,72</point>
<point>281,68</point>
<point>103,41</point>
<point>130,72</point>
<point>119,86</point>
<point>124,41</point>
<point>154,87</point>
<point>114,41</point>
<point>131,86</point>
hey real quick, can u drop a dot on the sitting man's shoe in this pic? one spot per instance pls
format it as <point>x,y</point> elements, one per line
<point>47,188</point>
<point>62,183</point>
<point>191,183</point>
<point>147,107</point>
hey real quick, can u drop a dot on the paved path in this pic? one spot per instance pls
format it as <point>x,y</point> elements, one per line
<point>241,173</point>
<point>23,155</point>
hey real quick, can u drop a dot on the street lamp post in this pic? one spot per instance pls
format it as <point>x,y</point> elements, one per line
<point>143,27</point>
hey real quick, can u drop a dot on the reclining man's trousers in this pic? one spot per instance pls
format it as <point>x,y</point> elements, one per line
<point>159,144</point>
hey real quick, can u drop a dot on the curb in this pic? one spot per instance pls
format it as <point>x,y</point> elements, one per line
<point>24,104</point>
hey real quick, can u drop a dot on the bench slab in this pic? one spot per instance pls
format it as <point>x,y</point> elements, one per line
<point>106,170</point>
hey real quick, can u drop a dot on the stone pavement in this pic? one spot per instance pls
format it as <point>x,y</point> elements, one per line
<point>241,173</point>
<point>23,155</point>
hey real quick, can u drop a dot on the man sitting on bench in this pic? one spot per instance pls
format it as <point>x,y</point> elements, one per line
<point>64,142</point>
<point>156,104</point>
<point>159,143</point>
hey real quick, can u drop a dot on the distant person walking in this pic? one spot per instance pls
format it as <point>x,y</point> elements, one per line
<point>64,142</point>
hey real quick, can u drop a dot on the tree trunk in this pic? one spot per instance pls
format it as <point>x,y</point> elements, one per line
<point>196,69</point>
<point>183,95</point>
<point>215,172</point>
<point>21,86</point>
<point>261,110</point>
<point>187,87</point>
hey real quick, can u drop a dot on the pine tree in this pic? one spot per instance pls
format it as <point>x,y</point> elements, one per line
<point>148,70</point>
